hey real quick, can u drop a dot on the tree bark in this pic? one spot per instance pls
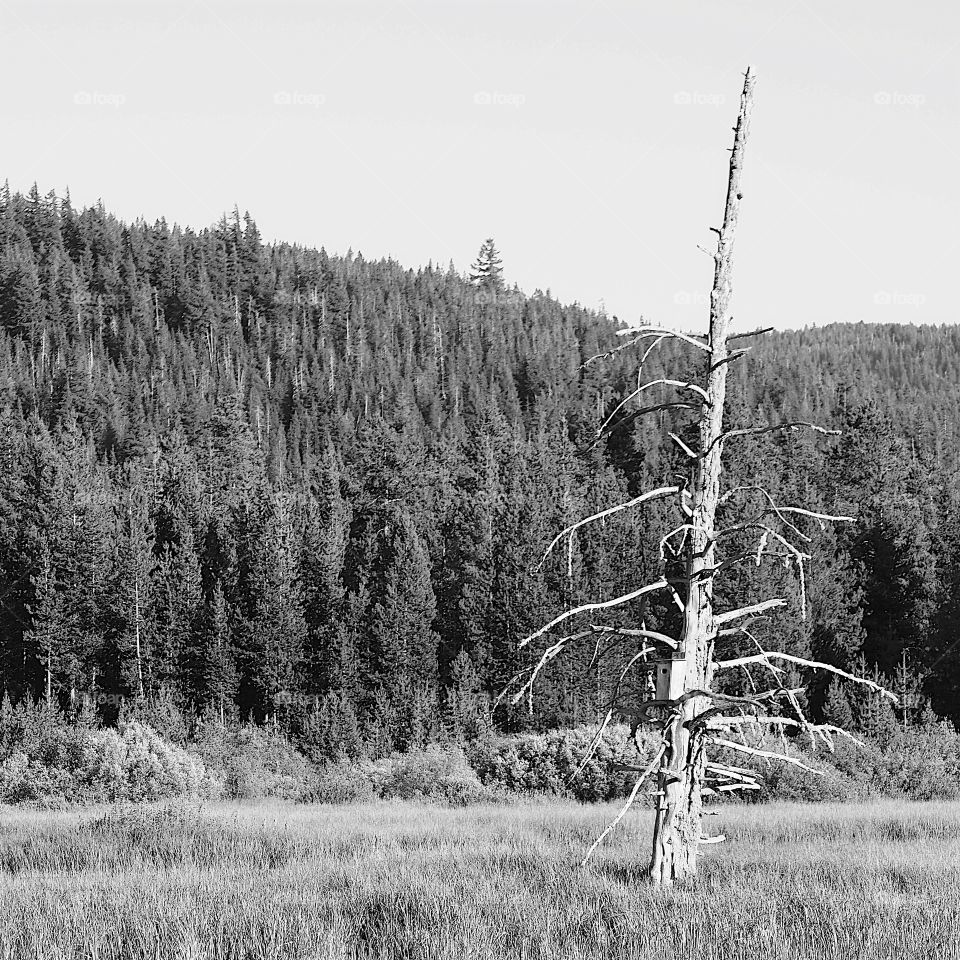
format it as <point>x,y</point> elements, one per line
<point>677,829</point>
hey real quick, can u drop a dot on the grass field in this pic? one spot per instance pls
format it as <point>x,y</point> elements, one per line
<point>403,880</point>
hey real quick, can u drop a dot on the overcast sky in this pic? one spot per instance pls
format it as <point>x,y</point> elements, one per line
<point>588,138</point>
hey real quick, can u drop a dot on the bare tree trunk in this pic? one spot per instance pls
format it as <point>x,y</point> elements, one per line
<point>136,608</point>
<point>691,715</point>
<point>677,829</point>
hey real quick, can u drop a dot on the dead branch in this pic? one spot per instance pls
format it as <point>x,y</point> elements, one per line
<point>749,702</point>
<point>633,795</point>
<point>676,597</point>
<point>545,658</point>
<point>722,618</point>
<point>827,728</point>
<point>684,528</point>
<point>735,355</point>
<point>803,662</point>
<point>775,671</point>
<point>631,632</point>
<point>646,332</point>
<point>591,749</point>
<point>766,754</point>
<point>509,684</point>
<point>657,494</point>
<point>723,702</point>
<point>643,411</point>
<point>683,446</point>
<point>789,425</point>
<point>796,555</point>
<point>602,356</point>
<point>779,510</point>
<point>817,516</point>
<point>610,353</point>
<point>726,768</point>
<point>595,741</point>
<point>750,333</point>
<point>679,384</point>
<point>636,393</point>
<point>587,607</point>
<point>771,507</point>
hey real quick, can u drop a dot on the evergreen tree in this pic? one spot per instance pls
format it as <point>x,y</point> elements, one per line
<point>131,633</point>
<point>487,271</point>
<point>50,627</point>
<point>403,646</point>
<point>217,661</point>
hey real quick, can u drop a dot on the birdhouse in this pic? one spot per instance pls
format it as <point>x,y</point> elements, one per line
<point>670,676</point>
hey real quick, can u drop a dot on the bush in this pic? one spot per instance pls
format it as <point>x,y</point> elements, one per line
<point>26,781</point>
<point>47,760</point>
<point>547,762</point>
<point>82,765</point>
<point>923,763</point>
<point>160,712</point>
<point>255,762</point>
<point>136,763</point>
<point>42,732</point>
<point>433,773</point>
<point>341,782</point>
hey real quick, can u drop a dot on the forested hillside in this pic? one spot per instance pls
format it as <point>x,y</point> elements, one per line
<point>264,481</point>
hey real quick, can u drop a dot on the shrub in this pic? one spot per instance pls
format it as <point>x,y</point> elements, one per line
<point>26,781</point>
<point>433,773</point>
<point>255,762</point>
<point>341,782</point>
<point>923,763</point>
<point>136,763</point>
<point>42,732</point>
<point>785,781</point>
<point>82,765</point>
<point>161,712</point>
<point>547,762</point>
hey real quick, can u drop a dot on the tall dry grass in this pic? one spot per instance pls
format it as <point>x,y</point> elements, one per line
<point>405,880</point>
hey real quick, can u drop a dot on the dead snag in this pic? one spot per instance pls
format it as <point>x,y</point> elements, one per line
<point>690,714</point>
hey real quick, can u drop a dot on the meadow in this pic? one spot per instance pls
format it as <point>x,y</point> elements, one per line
<point>394,879</point>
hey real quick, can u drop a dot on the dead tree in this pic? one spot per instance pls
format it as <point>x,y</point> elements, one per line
<point>691,715</point>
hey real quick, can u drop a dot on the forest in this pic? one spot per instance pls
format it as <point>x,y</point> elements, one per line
<point>262,482</point>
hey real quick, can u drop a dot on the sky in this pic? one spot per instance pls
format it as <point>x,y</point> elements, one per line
<point>588,137</point>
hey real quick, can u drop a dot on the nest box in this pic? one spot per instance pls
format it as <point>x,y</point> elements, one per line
<point>670,676</point>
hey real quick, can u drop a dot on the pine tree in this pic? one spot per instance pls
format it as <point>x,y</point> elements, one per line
<point>50,626</point>
<point>403,644</point>
<point>871,476</point>
<point>132,629</point>
<point>468,707</point>
<point>218,670</point>
<point>276,633</point>
<point>487,272</point>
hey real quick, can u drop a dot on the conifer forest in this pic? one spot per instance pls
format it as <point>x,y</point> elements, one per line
<point>265,483</point>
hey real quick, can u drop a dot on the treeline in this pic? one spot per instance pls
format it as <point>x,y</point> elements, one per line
<point>266,482</point>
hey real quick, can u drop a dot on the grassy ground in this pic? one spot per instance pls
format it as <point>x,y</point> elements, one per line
<point>230,881</point>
